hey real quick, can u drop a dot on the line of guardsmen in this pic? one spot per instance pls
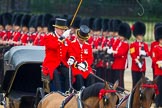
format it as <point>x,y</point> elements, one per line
<point>108,38</point>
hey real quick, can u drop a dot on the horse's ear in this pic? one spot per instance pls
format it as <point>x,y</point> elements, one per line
<point>155,80</point>
<point>116,84</point>
<point>106,85</point>
<point>143,79</point>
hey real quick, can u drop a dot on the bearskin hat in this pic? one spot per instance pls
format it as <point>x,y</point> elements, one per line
<point>76,23</point>
<point>158,32</point>
<point>110,25</point>
<point>116,24</point>
<point>50,25</point>
<point>139,28</point>
<point>7,19</point>
<point>18,20</point>
<point>91,20</point>
<point>105,24</point>
<point>69,19</point>
<point>39,20</point>
<point>1,21</point>
<point>46,19</point>
<point>32,22</point>
<point>125,30</point>
<point>84,21</point>
<point>156,25</point>
<point>25,20</point>
<point>97,24</point>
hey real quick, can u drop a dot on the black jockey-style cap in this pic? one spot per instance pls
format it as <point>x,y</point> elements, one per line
<point>82,33</point>
<point>139,28</point>
<point>25,20</point>
<point>124,30</point>
<point>60,23</point>
<point>158,33</point>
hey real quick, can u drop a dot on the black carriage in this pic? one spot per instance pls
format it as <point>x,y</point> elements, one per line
<point>22,68</point>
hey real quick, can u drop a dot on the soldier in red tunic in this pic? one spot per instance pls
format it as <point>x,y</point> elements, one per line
<point>97,47</point>
<point>55,62</point>
<point>157,61</point>
<point>138,51</point>
<point>81,58</point>
<point>1,29</point>
<point>8,28</point>
<point>17,29</point>
<point>153,44</point>
<point>120,54</point>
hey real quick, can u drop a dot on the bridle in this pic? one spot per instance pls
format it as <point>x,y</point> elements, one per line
<point>143,87</point>
<point>102,95</point>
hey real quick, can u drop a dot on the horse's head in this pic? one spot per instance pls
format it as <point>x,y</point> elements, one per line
<point>108,97</point>
<point>146,92</point>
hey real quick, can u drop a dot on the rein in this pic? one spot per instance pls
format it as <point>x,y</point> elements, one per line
<point>103,92</point>
<point>154,86</point>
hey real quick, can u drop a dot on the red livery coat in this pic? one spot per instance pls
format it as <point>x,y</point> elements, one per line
<point>135,48</point>
<point>56,53</point>
<point>81,55</point>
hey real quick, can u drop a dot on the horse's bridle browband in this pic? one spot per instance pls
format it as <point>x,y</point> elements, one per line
<point>153,86</point>
<point>103,92</point>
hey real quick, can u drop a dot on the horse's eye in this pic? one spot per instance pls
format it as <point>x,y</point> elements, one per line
<point>141,96</point>
<point>105,100</point>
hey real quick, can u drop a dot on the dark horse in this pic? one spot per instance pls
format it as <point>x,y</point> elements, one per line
<point>142,96</point>
<point>98,95</point>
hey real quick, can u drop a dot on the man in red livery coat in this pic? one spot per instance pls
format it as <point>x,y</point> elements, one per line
<point>153,44</point>
<point>138,52</point>
<point>157,61</point>
<point>56,49</point>
<point>81,58</point>
<point>120,54</point>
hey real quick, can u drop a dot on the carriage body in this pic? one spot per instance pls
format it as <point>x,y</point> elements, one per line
<point>22,75</point>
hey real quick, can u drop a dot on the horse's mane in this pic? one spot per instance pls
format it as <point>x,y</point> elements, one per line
<point>92,91</point>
